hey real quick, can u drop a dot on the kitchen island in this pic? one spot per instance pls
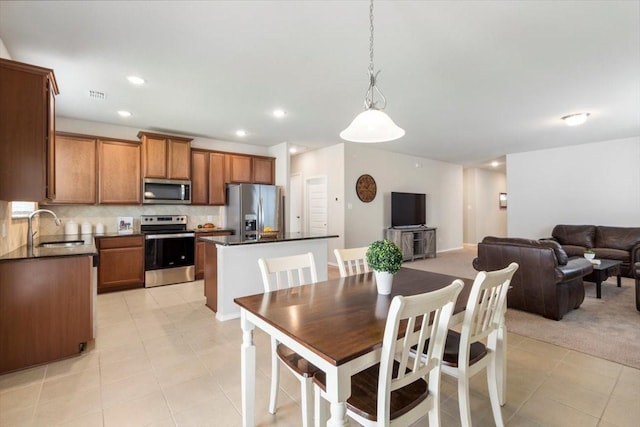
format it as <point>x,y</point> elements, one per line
<point>231,265</point>
<point>47,302</point>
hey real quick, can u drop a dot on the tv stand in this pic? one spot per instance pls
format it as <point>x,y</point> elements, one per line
<point>415,242</point>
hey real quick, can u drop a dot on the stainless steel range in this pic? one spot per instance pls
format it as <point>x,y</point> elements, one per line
<point>168,248</point>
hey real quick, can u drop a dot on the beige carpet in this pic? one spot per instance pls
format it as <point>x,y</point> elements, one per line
<point>608,328</point>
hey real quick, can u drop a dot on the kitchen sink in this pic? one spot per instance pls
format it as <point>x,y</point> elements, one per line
<point>61,244</point>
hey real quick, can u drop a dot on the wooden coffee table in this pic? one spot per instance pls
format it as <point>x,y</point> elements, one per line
<point>602,271</point>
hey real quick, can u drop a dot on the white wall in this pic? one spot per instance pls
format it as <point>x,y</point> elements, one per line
<point>482,214</point>
<point>596,183</point>
<point>327,162</point>
<point>442,182</point>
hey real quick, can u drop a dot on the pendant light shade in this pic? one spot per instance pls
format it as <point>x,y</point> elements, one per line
<point>372,126</point>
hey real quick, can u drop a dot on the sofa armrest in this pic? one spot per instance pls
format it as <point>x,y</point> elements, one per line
<point>635,255</point>
<point>573,269</point>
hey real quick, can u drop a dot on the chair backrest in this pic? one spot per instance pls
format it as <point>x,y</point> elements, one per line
<point>424,317</point>
<point>352,261</point>
<point>486,306</point>
<point>288,271</point>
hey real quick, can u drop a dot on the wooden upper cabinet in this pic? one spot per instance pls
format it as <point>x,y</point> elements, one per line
<point>165,156</point>
<point>242,168</point>
<point>75,169</point>
<point>263,169</point>
<point>27,127</point>
<point>119,180</point>
<point>238,168</point>
<point>217,186</point>
<point>207,178</point>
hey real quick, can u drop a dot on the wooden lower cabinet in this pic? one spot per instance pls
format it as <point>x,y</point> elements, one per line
<point>46,310</point>
<point>121,263</point>
<point>211,276</point>
<point>200,248</point>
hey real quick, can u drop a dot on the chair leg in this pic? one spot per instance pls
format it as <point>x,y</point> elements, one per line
<point>494,392</point>
<point>275,378</point>
<point>501,363</point>
<point>319,408</point>
<point>463,400</point>
<point>306,396</point>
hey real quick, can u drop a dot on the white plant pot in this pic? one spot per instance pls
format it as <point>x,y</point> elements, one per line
<point>384,281</point>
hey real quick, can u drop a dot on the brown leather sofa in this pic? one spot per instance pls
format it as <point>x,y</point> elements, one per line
<point>636,272</point>
<point>547,282</point>
<point>618,243</point>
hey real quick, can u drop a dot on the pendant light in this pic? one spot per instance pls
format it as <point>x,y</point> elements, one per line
<point>373,124</point>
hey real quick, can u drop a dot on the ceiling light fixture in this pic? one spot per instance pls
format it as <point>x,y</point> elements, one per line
<point>241,133</point>
<point>373,124</point>
<point>136,80</point>
<point>123,113</point>
<point>495,164</point>
<point>575,119</point>
<point>279,113</point>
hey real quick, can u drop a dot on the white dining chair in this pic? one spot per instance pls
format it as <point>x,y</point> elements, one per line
<point>465,354</point>
<point>352,261</point>
<point>402,388</point>
<point>281,273</point>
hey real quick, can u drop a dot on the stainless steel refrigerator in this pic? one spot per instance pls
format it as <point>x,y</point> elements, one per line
<point>252,207</point>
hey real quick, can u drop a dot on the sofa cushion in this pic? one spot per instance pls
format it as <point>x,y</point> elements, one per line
<point>575,235</point>
<point>572,250</point>
<point>623,238</point>
<point>561,255</point>
<point>616,254</point>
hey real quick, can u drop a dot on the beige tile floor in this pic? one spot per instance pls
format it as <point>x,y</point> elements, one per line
<point>161,359</point>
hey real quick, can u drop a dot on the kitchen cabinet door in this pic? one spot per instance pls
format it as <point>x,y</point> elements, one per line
<point>238,168</point>
<point>263,169</point>
<point>121,263</point>
<point>27,127</point>
<point>207,178</point>
<point>199,177</point>
<point>178,159</point>
<point>217,186</point>
<point>75,169</point>
<point>165,156</point>
<point>154,157</point>
<point>119,179</point>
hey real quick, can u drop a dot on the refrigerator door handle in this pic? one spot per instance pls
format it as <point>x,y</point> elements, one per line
<point>260,216</point>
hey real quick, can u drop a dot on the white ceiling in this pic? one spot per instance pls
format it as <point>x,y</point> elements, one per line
<point>469,81</point>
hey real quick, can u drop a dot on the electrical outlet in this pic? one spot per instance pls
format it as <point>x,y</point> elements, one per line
<point>209,218</point>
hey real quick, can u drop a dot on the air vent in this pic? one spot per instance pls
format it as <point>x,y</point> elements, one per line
<point>97,95</point>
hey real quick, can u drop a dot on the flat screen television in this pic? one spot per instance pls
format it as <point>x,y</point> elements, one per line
<point>408,209</point>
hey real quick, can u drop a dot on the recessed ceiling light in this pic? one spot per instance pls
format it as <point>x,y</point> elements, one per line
<point>241,132</point>
<point>293,150</point>
<point>136,80</point>
<point>123,113</point>
<point>279,113</point>
<point>575,119</point>
<point>495,164</point>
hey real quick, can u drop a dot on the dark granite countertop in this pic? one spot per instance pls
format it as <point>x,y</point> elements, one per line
<point>86,248</point>
<point>235,240</point>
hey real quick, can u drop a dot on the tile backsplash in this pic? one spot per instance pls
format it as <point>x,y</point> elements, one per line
<point>108,216</point>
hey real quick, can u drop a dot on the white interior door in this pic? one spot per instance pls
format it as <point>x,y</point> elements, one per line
<point>316,205</point>
<point>295,203</point>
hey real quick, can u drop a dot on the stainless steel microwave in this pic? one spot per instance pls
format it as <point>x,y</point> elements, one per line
<point>166,191</point>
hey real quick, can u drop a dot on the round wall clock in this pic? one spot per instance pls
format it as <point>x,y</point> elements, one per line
<point>366,188</point>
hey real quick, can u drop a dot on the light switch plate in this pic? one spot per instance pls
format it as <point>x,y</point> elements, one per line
<point>4,230</point>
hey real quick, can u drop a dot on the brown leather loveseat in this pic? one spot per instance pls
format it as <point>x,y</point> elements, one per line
<point>547,281</point>
<point>618,243</point>
<point>637,275</point>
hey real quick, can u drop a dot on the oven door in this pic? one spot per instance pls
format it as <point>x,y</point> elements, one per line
<point>169,258</point>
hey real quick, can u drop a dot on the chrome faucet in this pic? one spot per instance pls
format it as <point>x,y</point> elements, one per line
<point>30,232</point>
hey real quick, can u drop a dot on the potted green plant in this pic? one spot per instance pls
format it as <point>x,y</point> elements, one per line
<point>589,254</point>
<point>385,258</point>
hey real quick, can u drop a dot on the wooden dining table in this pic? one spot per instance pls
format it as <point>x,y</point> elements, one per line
<point>337,325</point>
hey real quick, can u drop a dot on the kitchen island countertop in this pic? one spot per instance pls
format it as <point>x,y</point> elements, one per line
<point>236,240</point>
